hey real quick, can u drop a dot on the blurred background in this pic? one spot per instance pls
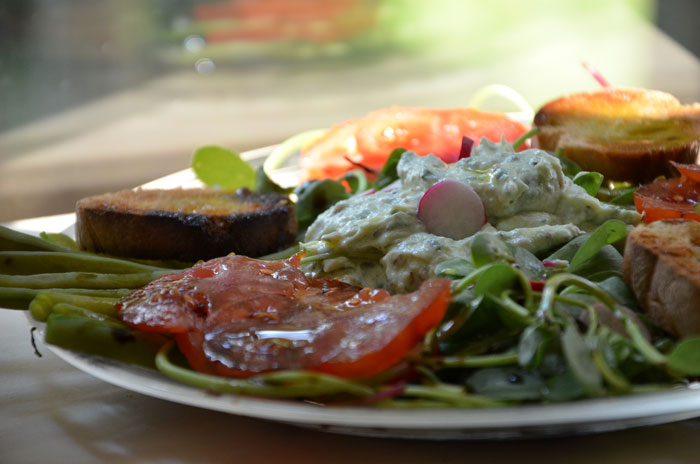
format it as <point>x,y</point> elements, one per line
<point>100,96</point>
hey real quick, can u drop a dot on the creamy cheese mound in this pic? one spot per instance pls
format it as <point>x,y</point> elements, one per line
<point>376,240</point>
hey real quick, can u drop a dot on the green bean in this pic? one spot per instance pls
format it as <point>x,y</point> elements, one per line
<point>36,262</point>
<point>283,384</point>
<point>15,240</point>
<point>42,305</point>
<point>73,310</point>
<point>60,239</point>
<point>80,280</point>
<point>15,298</point>
<point>19,298</point>
<point>103,338</point>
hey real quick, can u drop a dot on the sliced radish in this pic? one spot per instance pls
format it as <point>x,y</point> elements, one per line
<point>452,209</point>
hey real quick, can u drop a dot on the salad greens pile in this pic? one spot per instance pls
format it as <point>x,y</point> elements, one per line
<point>519,328</point>
<point>557,329</point>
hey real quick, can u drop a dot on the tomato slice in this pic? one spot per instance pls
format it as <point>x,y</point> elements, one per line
<point>371,139</point>
<point>236,316</point>
<point>689,171</point>
<point>668,199</point>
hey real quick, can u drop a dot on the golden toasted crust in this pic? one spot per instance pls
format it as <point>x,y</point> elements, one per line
<point>662,267</point>
<point>625,134</point>
<point>185,225</point>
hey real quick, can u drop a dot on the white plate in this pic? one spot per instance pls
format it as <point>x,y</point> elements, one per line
<point>580,417</point>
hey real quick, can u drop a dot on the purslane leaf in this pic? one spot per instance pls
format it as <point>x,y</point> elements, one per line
<point>609,232</point>
<point>219,167</point>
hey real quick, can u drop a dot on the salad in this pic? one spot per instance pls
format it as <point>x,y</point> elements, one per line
<point>520,325</point>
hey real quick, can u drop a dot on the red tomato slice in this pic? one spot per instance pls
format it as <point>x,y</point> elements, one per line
<point>668,199</point>
<point>371,139</point>
<point>236,316</point>
<point>689,171</point>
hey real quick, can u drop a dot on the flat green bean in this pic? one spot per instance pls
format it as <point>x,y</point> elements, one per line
<point>80,280</point>
<point>73,310</point>
<point>14,240</point>
<point>41,262</point>
<point>20,298</point>
<point>103,338</point>
<point>60,239</point>
<point>42,305</point>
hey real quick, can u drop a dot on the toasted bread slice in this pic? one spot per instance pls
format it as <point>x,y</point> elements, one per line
<point>625,134</point>
<point>662,267</point>
<point>185,225</point>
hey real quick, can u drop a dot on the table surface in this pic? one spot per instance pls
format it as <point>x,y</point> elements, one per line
<point>49,410</point>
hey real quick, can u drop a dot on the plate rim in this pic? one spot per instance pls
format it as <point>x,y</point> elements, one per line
<point>617,412</point>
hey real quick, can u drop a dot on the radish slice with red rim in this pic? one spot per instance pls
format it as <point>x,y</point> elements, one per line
<point>452,209</point>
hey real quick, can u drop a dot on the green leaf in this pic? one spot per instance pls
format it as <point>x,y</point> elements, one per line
<point>454,268</point>
<point>625,197</point>
<point>219,167</point>
<point>607,233</point>
<point>616,287</point>
<point>497,278</point>
<point>569,168</point>
<point>534,343</point>
<point>316,196</point>
<point>589,181</point>
<point>685,357</point>
<point>578,357</point>
<point>264,184</point>
<point>563,387</point>
<point>388,173</point>
<point>528,263</point>
<point>471,319</point>
<point>486,248</point>
<point>507,384</point>
<point>605,263</point>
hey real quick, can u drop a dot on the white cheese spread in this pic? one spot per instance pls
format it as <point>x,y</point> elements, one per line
<point>377,240</point>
